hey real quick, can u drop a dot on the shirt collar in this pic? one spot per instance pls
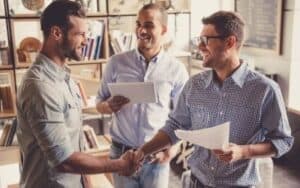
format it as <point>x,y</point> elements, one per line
<point>154,59</point>
<point>238,76</point>
<point>61,73</point>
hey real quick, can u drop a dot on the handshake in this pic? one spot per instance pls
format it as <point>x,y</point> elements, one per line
<point>131,161</point>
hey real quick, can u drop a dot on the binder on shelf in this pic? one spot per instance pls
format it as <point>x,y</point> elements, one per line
<point>82,93</point>
<point>93,143</point>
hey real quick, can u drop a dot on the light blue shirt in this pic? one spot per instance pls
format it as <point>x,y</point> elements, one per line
<point>254,107</point>
<point>135,124</point>
<point>49,124</point>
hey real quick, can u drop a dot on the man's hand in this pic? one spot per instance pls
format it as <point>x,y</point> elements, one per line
<point>115,103</point>
<point>164,156</point>
<point>127,160</point>
<point>139,158</point>
<point>232,153</point>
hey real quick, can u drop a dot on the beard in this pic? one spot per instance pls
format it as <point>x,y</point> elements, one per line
<point>68,51</point>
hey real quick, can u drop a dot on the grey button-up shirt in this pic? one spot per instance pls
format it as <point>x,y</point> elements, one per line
<point>49,124</point>
<point>255,109</point>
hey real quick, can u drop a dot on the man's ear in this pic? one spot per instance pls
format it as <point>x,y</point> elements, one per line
<point>231,41</point>
<point>164,29</point>
<point>56,33</point>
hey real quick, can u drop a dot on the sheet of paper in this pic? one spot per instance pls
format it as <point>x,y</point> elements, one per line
<point>216,137</point>
<point>136,92</point>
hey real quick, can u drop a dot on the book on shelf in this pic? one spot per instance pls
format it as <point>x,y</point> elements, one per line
<point>6,98</point>
<point>7,134</point>
<point>84,98</point>
<point>122,41</point>
<point>92,50</point>
<point>93,143</point>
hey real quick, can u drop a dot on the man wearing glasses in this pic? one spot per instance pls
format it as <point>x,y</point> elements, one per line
<point>230,91</point>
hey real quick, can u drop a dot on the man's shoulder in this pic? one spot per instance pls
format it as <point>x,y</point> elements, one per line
<point>123,55</point>
<point>259,79</point>
<point>200,79</point>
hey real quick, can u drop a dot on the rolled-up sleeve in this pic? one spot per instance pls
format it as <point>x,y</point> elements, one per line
<point>275,121</point>
<point>47,121</point>
<point>179,118</point>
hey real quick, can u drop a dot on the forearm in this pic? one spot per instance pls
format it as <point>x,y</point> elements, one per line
<point>159,142</point>
<point>103,107</point>
<point>87,164</point>
<point>258,150</point>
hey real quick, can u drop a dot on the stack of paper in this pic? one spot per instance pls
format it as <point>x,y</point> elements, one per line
<point>136,92</point>
<point>216,137</point>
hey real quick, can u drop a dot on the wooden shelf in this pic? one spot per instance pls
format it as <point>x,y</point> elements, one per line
<point>23,65</point>
<point>7,114</point>
<point>97,80</point>
<point>97,61</point>
<point>37,15</point>
<point>22,16</point>
<point>5,67</point>
<point>294,111</point>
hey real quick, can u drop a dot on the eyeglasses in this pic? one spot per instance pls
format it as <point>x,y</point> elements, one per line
<point>204,39</point>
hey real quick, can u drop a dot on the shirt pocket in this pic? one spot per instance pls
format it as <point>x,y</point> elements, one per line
<point>127,77</point>
<point>163,92</point>
<point>72,113</point>
<point>243,122</point>
<point>199,117</point>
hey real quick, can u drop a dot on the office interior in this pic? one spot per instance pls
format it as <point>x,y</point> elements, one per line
<point>280,62</point>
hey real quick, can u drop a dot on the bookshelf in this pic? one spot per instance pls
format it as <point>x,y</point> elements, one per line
<point>21,38</point>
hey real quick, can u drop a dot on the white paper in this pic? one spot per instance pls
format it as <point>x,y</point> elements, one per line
<point>136,92</point>
<point>216,137</point>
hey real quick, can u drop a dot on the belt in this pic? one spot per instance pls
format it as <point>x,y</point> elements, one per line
<point>195,183</point>
<point>121,147</point>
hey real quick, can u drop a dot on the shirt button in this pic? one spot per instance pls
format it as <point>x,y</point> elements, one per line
<point>221,113</point>
<point>212,168</point>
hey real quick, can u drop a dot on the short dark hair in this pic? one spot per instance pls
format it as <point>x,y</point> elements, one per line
<point>227,23</point>
<point>160,9</point>
<point>58,13</point>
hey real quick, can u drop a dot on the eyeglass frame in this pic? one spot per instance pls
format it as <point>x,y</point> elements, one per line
<point>204,39</point>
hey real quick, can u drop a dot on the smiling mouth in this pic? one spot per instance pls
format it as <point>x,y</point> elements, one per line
<point>144,37</point>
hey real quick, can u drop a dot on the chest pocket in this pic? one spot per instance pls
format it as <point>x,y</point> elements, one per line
<point>200,117</point>
<point>243,122</point>
<point>163,92</point>
<point>126,77</point>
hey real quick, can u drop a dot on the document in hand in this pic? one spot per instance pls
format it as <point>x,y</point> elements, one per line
<point>216,137</point>
<point>136,92</point>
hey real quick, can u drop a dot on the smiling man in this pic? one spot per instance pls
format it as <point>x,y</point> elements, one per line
<point>232,92</point>
<point>134,124</point>
<point>49,109</point>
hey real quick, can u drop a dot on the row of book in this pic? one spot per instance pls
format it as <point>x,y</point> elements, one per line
<point>92,50</point>
<point>122,41</point>
<point>6,98</point>
<point>7,133</point>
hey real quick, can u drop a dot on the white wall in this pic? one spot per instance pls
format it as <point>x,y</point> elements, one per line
<point>286,65</point>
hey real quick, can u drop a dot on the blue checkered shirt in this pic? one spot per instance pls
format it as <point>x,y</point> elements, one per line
<point>253,105</point>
